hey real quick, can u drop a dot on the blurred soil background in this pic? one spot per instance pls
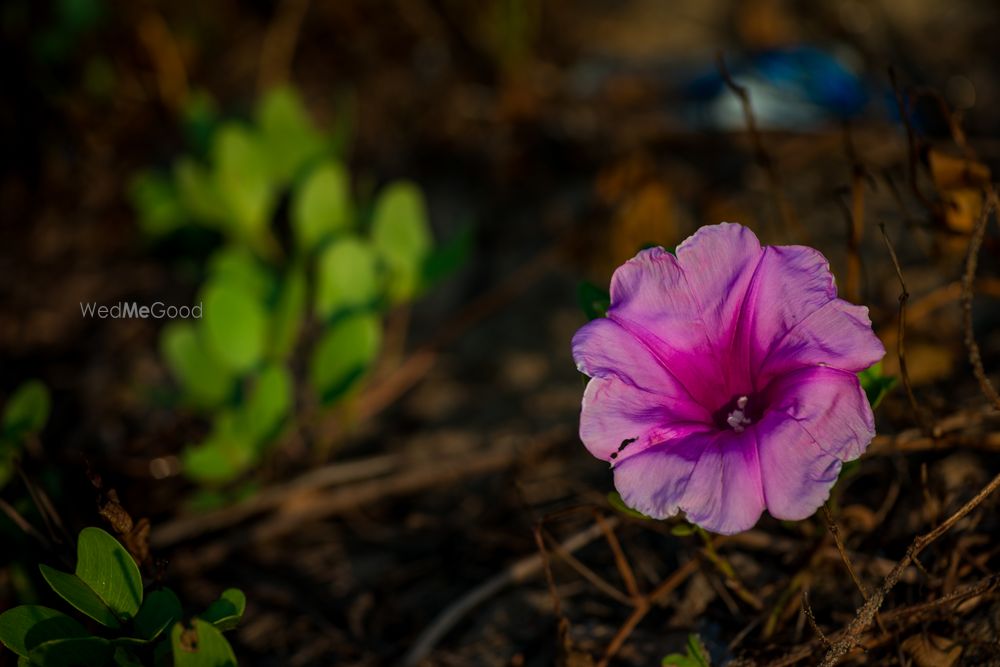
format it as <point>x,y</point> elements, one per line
<point>568,135</point>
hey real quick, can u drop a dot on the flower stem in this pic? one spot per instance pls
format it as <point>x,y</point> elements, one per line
<point>726,569</point>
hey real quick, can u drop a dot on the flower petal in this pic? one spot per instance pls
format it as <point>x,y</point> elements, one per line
<point>797,473</point>
<point>685,307</point>
<point>837,334</point>
<point>713,476</point>
<point>830,405</point>
<point>603,348</point>
<point>619,420</point>
<point>653,482</point>
<point>724,494</point>
<point>719,262</point>
<point>789,284</point>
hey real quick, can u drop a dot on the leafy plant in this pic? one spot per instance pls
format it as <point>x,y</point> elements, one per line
<point>136,628</point>
<point>876,384</point>
<point>695,656</point>
<point>347,260</point>
<point>24,416</point>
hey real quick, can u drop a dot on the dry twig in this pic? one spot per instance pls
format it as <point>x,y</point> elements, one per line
<point>971,260</point>
<point>901,340</point>
<point>278,48</point>
<point>899,619</point>
<point>785,213</point>
<point>831,525</point>
<point>867,611</point>
<point>523,570</point>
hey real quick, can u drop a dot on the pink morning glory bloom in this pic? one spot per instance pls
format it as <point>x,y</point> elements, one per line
<point>723,380</point>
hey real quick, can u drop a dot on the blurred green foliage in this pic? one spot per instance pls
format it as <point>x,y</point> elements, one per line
<point>25,415</point>
<point>107,587</point>
<point>319,295</point>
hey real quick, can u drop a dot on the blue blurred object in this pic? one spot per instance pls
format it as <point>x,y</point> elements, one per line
<point>795,88</point>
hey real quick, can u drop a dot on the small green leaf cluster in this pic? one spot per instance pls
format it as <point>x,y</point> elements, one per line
<point>695,656</point>
<point>137,628</point>
<point>24,416</point>
<point>345,262</point>
<point>876,383</point>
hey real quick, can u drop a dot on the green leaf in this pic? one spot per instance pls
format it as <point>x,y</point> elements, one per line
<point>204,380</point>
<point>201,645</point>
<point>402,236</point>
<point>157,202</point>
<point>322,205</point>
<point>616,502</point>
<point>72,652</point>
<point>683,529</point>
<point>26,411</point>
<point>25,627</point>
<point>593,300</point>
<point>72,589</point>
<point>289,313</point>
<point>696,655</point>
<point>234,325</point>
<point>448,258</point>
<point>243,179</point>
<point>236,265</point>
<point>346,277</point>
<point>876,384</point>
<point>7,458</point>
<point>223,456</point>
<point>200,116</point>
<point>289,138</point>
<point>124,658</point>
<point>226,612</point>
<point>268,404</point>
<point>343,354</point>
<point>159,610</point>
<point>105,566</point>
<point>199,194</point>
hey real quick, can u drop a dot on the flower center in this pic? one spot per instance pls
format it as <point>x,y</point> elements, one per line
<point>737,419</point>
<point>738,413</point>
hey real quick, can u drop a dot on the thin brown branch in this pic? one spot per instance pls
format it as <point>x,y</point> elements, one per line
<point>668,586</point>
<point>414,368</point>
<point>831,525</point>
<point>971,261</point>
<point>168,63</point>
<point>867,611</point>
<point>784,209</point>
<point>45,507</point>
<point>519,572</point>
<point>807,610</point>
<point>855,236</point>
<point>901,336</point>
<point>587,573</point>
<point>898,619</point>
<point>345,472</point>
<point>904,104</point>
<point>855,221</point>
<point>23,523</point>
<point>278,48</point>
<point>621,562</point>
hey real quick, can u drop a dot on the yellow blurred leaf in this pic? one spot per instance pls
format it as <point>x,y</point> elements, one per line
<point>950,172</point>
<point>644,218</point>
<point>962,208</point>
<point>932,650</point>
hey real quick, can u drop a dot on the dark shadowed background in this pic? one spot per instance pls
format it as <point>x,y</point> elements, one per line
<point>551,141</point>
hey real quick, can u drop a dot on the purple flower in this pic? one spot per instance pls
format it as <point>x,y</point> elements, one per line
<point>723,380</point>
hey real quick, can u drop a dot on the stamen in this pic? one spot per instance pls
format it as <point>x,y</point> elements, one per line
<point>737,419</point>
